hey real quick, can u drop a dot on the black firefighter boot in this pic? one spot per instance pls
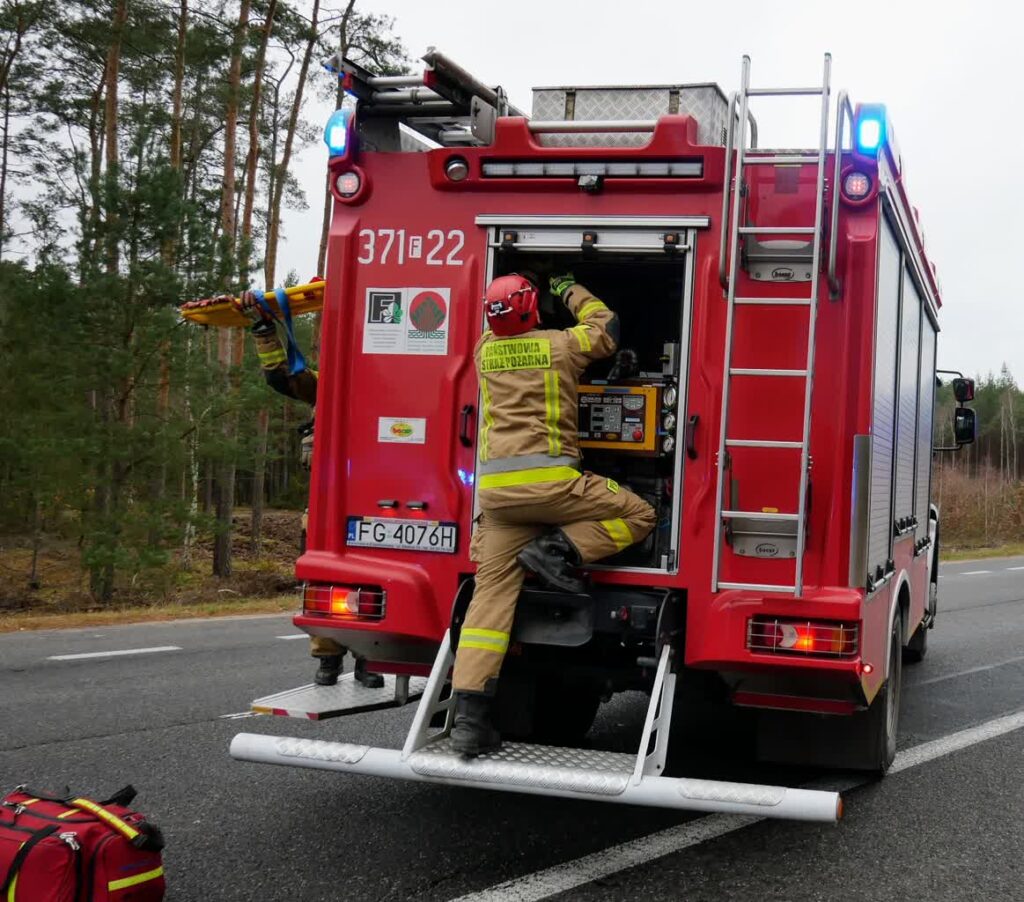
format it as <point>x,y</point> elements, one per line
<point>552,557</point>
<point>329,670</point>
<point>473,733</point>
<point>365,678</point>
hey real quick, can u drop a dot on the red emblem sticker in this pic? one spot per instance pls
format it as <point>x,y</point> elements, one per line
<point>428,311</point>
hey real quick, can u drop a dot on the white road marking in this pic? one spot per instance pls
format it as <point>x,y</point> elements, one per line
<point>1015,568</point>
<point>970,670</point>
<point>241,715</point>
<point>293,636</point>
<point>564,877</point>
<point>974,572</point>
<point>114,654</point>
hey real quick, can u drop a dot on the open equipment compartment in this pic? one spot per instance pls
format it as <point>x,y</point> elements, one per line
<point>630,428</point>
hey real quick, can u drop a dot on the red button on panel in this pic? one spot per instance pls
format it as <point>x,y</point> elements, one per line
<point>638,435</point>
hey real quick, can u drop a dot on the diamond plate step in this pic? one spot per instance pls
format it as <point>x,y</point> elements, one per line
<point>535,766</point>
<point>314,702</point>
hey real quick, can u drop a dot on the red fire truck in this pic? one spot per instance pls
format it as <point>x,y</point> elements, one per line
<point>783,312</point>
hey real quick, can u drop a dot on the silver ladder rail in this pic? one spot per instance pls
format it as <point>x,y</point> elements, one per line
<point>735,231</point>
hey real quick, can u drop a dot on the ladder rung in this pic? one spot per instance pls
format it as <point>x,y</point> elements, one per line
<point>760,443</point>
<point>781,92</point>
<point>760,587</point>
<point>748,371</point>
<point>767,302</point>
<point>776,230</point>
<point>781,159</point>
<point>758,515</point>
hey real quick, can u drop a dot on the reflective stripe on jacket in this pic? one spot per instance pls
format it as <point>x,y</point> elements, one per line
<point>528,387</point>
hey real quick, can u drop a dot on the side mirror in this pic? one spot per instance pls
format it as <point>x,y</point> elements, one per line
<point>963,391</point>
<point>965,424</point>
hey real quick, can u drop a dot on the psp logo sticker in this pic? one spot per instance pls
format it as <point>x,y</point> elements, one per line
<point>401,430</point>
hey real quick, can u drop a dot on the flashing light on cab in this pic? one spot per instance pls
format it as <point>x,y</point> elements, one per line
<point>870,130</point>
<point>336,132</point>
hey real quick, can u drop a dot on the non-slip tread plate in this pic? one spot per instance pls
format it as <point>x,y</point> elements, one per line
<point>537,766</point>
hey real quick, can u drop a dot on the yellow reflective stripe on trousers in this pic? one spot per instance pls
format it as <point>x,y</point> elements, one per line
<point>272,358</point>
<point>528,477</point>
<point>582,337</point>
<point>551,405</point>
<point>590,307</point>
<point>487,417</point>
<point>619,532</point>
<point>486,640</point>
<point>125,882</point>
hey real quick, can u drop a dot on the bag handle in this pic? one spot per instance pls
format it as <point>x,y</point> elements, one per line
<point>144,835</point>
<point>124,796</point>
<point>22,854</point>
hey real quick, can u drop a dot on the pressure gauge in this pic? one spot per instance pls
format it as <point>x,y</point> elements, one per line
<point>670,396</point>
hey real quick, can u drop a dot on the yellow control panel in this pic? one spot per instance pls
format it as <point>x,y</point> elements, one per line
<point>620,417</point>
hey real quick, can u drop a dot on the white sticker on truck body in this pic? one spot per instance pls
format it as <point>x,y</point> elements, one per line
<point>413,321</point>
<point>408,430</point>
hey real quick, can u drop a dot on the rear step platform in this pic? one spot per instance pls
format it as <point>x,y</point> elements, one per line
<point>347,696</point>
<point>540,770</point>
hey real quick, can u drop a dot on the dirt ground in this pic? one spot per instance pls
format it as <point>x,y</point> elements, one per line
<point>62,586</point>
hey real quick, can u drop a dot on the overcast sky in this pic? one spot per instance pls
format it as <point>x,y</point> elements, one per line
<point>949,73</point>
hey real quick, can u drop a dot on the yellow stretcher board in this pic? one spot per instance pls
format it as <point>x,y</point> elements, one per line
<point>220,312</point>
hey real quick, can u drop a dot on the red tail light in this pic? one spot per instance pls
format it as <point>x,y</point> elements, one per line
<point>776,635</point>
<point>351,602</point>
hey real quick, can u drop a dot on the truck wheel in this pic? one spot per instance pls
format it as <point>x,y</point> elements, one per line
<point>564,713</point>
<point>882,719</point>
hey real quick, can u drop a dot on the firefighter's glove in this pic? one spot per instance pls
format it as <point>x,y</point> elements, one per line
<point>561,284</point>
<point>626,366</point>
<point>248,306</point>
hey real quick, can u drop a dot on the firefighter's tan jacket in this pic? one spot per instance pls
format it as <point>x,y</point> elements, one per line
<point>528,387</point>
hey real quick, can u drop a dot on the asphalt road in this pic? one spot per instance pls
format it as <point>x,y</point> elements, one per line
<point>947,825</point>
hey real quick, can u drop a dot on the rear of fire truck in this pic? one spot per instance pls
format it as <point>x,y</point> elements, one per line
<point>782,312</point>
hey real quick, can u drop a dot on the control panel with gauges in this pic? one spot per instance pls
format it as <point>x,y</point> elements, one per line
<point>621,418</point>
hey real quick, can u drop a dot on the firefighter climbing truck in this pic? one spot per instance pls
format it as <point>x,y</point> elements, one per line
<point>783,311</point>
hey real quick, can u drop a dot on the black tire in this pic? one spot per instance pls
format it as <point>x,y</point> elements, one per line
<point>881,720</point>
<point>564,713</point>
<point>917,647</point>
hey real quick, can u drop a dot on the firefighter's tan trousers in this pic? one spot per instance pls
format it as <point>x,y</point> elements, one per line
<point>596,515</point>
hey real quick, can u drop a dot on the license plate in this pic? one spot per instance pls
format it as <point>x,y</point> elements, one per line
<point>407,535</point>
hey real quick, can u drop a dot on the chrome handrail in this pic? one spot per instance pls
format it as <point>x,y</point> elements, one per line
<point>723,277</point>
<point>844,111</point>
<point>730,128</point>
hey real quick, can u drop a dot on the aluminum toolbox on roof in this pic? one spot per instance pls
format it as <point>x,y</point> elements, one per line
<point>704,102</point>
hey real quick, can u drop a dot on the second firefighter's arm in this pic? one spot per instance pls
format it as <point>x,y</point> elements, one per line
<point>274,363</point>
<point>596,332</point>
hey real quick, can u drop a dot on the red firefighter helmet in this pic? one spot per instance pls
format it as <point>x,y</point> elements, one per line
<point>511,305</point>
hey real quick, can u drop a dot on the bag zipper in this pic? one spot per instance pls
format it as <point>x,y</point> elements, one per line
<point>90,883</point>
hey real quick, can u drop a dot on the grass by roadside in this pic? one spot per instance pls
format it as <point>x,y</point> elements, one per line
<point>1012,549</point>
<point>33,620</point>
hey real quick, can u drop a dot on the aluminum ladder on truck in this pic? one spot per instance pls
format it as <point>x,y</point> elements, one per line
<point>572,773</point>
<point>734,231</point>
